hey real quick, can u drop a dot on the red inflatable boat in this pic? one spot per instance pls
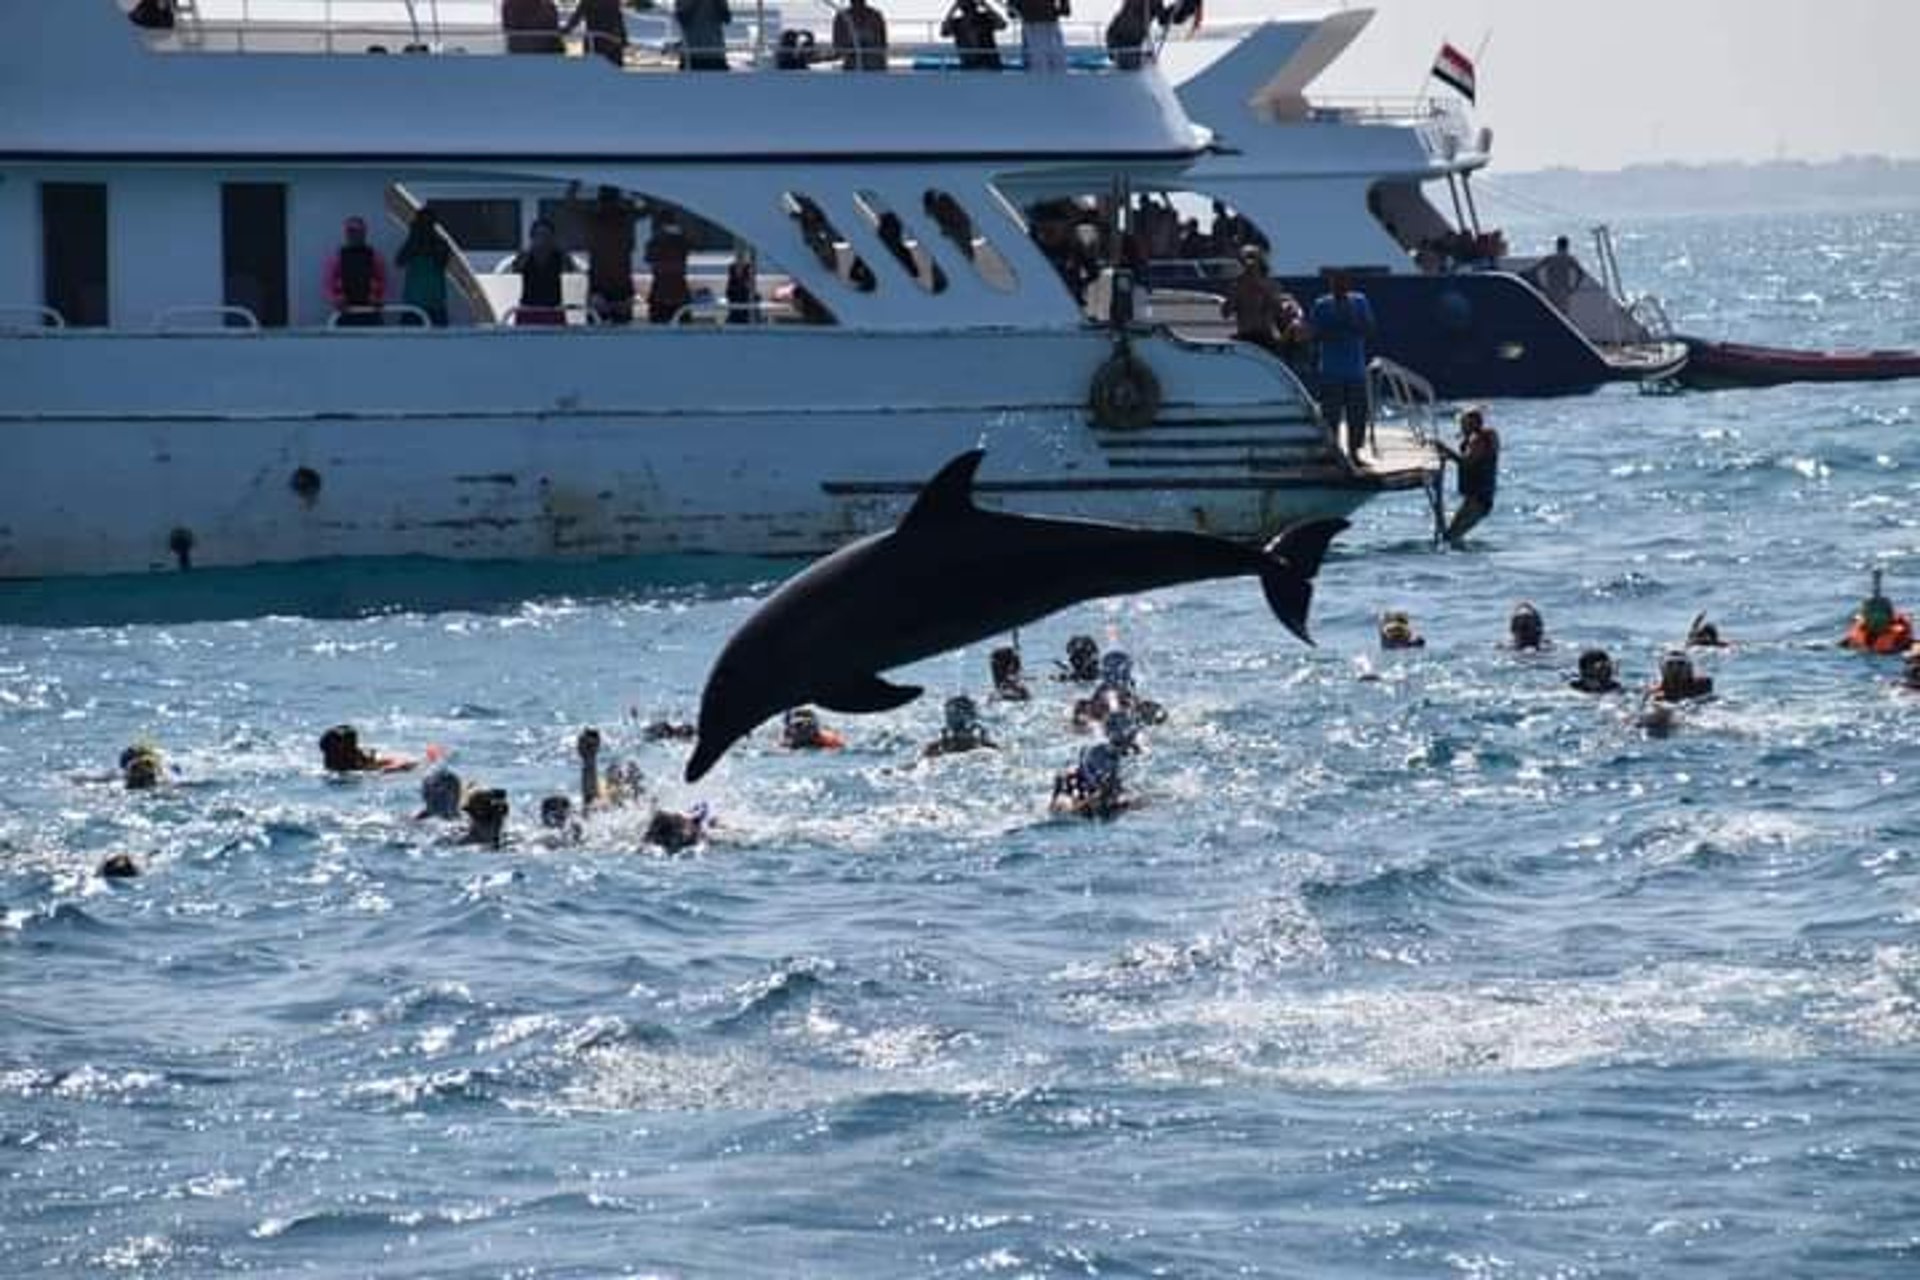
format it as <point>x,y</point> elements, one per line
<point>1716,365</point>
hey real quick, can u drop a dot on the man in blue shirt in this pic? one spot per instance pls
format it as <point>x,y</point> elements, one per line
<point>1342,321</point>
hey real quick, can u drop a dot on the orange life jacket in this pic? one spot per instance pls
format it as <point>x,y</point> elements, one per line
<point>1897,638</point>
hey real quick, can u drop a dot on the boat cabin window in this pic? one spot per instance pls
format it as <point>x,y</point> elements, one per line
<point>1171,240</point>
<point>958,226</point>
<point>482,226</point>
<point>905,247</point>
<point>253,251</point>
<point>824,241</point>
<point>73,250</point>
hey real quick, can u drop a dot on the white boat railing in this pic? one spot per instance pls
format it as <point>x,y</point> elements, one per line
<point>29,318</point>
<point>511,317</point>
<point>196,318</point>
<point>720,311</point>
<point>411,317</point>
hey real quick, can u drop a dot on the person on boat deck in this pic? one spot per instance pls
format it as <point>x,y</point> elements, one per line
<point>1478,463</point>
<point>673,832</point>
<point>1702,634</point>
<point>972,25</point>
<point>1596,673</point>
<point>1262,312</point>
<point>860,37</point>
<point>1679,682</point>
<point>141,767</point>
<point>1526,630</point>
<point>667,253</point>
<point>610,241</point>
<point>441,795</point>
<point>606,28</point>
<point>532,26</point>
<point>1396,632</point>
<point>1083,662</point>
<point>541,266</point>
<point>422,260</point>
<point>1093,788</point>
<point>1558,275</point>
<point>1009,681</point>
<point>1232,232</point>
<point>156,15</point>
<point>743,288</point>
<point>341,752</point>
<point>1878,627</point>
<point>801,730</point>
<point>962,732</point>
<point>1042,47</point>
<point>1130,33</point>
<point>703,33</point>
<point>486,812</point>
<point>357,277</point>
<point>1342,323</point>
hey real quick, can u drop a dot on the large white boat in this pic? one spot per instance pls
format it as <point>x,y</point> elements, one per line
<point>175,390</point>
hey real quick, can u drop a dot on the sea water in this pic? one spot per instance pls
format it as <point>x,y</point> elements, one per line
<point>1407,965</point>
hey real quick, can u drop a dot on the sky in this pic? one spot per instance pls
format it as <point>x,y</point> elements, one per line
<point>1599,84</point>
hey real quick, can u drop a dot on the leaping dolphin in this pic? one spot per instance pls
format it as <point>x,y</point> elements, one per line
<point>950,574</point>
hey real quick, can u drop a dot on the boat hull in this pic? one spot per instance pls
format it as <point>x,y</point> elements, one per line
<point>1719,366</point>
<point>132,453</point>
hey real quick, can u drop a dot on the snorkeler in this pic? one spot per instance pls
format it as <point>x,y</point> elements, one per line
<point>1702,634</point>
<point>801,730</point>
<point>1120,692</point>
<point>340,752</point>
<point>119,866</point>
<point>1092,788</point>
<point>963,731</point>
<point>1083,662</point>
<point>620,785</point>
<point>668,731</point>
<point>1526,630</point>
<point>141,767</point>
<point>1679,682</point>
<point>1596,673</point>
<point>1009,681</point>
<point>1396,632</point>
<point>678,832</point>
<point>1123,733</point>
<point>486,812</point>
<point>1878,627</point>
<point>441,795</point>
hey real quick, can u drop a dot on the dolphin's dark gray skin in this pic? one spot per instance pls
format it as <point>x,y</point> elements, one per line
<point>950,574</point>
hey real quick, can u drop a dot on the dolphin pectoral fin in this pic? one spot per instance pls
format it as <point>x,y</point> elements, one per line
<point>949,495</point>
<point>1292,560</point>
<point>867,694</point>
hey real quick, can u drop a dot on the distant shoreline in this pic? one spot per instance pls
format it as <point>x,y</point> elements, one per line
<point>1855,184</point>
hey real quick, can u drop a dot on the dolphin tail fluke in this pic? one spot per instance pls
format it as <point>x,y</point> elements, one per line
<point>1292,560</point>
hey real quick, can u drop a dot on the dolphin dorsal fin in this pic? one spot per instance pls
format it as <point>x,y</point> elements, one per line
<point>949,495</point>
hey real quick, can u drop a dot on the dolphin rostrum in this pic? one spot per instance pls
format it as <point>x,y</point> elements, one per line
<point>950,574</point>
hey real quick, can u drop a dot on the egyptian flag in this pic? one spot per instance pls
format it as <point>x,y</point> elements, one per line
<point>1455,68</point>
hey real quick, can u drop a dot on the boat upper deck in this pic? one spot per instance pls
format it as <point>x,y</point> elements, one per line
<point>350,89</point>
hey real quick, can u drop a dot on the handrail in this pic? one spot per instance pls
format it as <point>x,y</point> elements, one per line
<point>41,317</point>
<point>165,319</point>
<point>722,309</point>
<point>405,310</point>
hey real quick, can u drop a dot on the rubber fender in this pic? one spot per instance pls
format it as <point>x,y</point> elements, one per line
<point>1125,395</point>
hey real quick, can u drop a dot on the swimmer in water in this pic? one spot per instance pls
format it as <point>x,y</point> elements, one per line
<point>1702,634</point>
<point>1526,630</point>
<point>1596,673</point>
<point>1878,627</point>
<point>1396,632</point>
<point>441,795</point>
<point>668,731</point>
<point>620,785</point>
<point>556,815</point>
<point>1910,674</point>
<point>963,731</point>
<point>1009,681</point>
<point>1123,733</point>
<point>1083,662</point>
<point>1093,787</point>
<point>486,812</point>
<point>141,768</point>
<point>801,730</point>
<point>1120,692</point>
<point>119,866</point>
<point>1679,682</point>
<point>1093,709</point>
<point>341,753</point>
<point>678,832</point>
